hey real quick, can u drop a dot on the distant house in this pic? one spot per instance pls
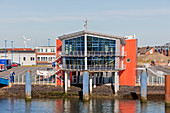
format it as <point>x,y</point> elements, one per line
<point>146,50</point>
<point>165,49</point>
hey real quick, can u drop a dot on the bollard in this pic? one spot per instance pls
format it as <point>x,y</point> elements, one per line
<point>28,86</point>
<point>85,86</point>
<point>167,90</point>
<point>143,86</point>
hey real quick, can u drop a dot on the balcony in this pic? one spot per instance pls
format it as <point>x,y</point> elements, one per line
<point>93,53</point>
<point>93,68</point>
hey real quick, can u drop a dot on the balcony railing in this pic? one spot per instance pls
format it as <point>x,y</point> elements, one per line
<point>92,67</point>
<point>93,53</point>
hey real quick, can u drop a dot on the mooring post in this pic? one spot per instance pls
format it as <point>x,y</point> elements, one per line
<point>167,90</point>
<point>85,86</point>
<point>143,86</point>
<point>66,84</point>
<point>90,82</point>
<point>28,86</point>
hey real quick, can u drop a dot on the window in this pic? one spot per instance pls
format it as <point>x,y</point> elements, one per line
<point>42,50</point>
<point>128,60</point>
<point>46,50</point>
<point>38,59</point>
<point>24,58</point>
<point>32,58</point>
<point>43,58</point>
<point>38,50</point>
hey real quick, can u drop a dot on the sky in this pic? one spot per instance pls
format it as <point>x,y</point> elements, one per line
<point>39,20</point>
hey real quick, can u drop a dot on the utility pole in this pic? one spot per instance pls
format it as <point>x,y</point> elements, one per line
<point>5,55</point>
<point>12,52</point>
<point>49,42</point>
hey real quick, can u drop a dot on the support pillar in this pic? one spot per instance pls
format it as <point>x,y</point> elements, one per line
<point>28,86</point>
<point>144,86</point>
<point>167,90</point>
<point>90,82</point>
<point>66,80</point>
<point>85,86</point>
<point>94,81</point>
<point>116,87</point>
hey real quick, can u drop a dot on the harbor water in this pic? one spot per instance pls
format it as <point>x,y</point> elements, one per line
<point>18,105</point>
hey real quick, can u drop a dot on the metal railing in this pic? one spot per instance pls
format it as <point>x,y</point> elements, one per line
<point>36,79</point>
<point>93,53</point>
<point>92,67</point>
<point>152,80</point>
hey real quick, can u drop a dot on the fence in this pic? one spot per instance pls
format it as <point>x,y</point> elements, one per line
<point>36,79</point>
<point>152,80</point>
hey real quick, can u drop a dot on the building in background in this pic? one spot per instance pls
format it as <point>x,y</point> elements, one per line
<point>23,56</point>
<point>146,50</point>
<point>107,58</point>
<point>165,49</point>
<point>45,55</point>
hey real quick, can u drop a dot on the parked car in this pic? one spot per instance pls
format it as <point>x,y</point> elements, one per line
<point>15,64</point>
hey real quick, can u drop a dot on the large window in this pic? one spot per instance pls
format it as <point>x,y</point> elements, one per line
<point>74,61</point>
<point>100,44</point>
<point>75,44</point>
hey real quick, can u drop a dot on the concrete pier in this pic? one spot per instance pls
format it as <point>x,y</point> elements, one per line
<point>167,90</point>
<point>116,86</point>
<point>28,86</point>
<point>143,86</point>
<point>85,86</point>
<point>66,84</point>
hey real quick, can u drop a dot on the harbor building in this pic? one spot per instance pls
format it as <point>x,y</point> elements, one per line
<point>45,55</point>
<point>108,59</point>
<point>23,56</point>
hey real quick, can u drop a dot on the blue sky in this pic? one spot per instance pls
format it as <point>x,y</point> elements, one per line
<point>149,20</point>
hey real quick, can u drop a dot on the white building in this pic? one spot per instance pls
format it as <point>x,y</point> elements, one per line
<point>45,55</point>
<point>23,57</point>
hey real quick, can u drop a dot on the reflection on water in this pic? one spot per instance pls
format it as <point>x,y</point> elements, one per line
<point>18,105</point>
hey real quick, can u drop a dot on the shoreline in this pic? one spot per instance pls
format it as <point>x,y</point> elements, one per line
<point>105,92</point>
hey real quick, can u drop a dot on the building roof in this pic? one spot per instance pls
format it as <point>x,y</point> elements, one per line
<point>92,33</point>
<point>144,50</point>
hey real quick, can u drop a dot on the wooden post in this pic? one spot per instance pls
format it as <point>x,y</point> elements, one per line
<point>28,86</point>
<point>167,90</point>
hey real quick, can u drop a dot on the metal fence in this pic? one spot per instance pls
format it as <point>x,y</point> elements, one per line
<point>36,79</point>
<point>152,80</point>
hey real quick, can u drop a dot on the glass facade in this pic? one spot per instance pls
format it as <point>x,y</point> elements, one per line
<point>95,45</point>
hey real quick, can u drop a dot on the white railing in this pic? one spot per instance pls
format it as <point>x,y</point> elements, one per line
<point>152,80</point>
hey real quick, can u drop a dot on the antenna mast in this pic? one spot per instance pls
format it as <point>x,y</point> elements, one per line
<point>86,24</point>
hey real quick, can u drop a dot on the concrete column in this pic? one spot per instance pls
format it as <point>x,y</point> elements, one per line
<point>28,86</point>
<point>102,78</point>
<point>144,86</point>
<point>85,50</point>
<point>116,87</point>
<point>66,84</point>
<point>85,86</point>
<point>167,90</point>
<point>94,80</point>
<point>68,80</point>
<point>77,77</point>
<point>90,82</point>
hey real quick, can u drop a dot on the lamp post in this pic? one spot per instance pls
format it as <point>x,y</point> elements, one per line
<point>12,52</point>
<point>5,54</point>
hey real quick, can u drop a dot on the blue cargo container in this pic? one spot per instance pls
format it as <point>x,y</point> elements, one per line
<point>7,61</point>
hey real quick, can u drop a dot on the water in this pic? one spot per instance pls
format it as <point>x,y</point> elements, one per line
<point>18,105</point>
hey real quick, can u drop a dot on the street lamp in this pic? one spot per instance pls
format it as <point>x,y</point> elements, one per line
<point>12,52</point>
<point>5,55</point>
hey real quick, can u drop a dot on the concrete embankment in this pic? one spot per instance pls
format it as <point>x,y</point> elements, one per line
<point>103,91</point>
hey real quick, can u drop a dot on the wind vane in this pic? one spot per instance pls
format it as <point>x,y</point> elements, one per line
<point>85,25</point>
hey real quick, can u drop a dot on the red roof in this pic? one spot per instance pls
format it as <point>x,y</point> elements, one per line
<point>20,49</point>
